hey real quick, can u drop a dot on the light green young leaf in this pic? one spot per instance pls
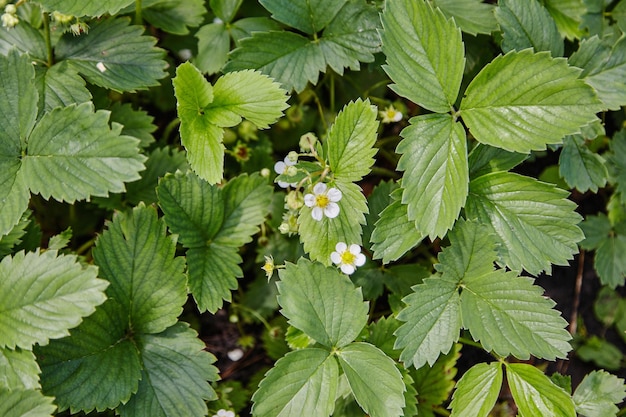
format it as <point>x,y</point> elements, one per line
<point>523,101</point>
<point>308,16</point>
<point>362,364</point>
<point>173,16</point>
<point>598,393</point>
<point>534,393</point>
<point>472,16</point>
<point>42,295</point>
<point>321,237</point>
<point>477,391</point>
<point>609,261</point>
<point>225,9</point>
<point>434,158</point>
<point>97,367</point>
<point>535,222</point>
<point>435,384</point>
<point>22,402</point>
<point>350,141</point>
<point>85,155</point>
<point>60,241</point>
<point>137,257</point>
<point>213,47</point>
<point>25,39</point>
<point>527,24</point>
<point>175,376</point>
<point>580,167</point>
<point>18,370</point>
<point>137,123</point>
<point>322,303</point>
<point>79,8</point>
<point>432,322</point>
<point>567,15</point>
<point>603,64</point>
<point>413,34</point>
<point>114,55</point>
<point>60,86</point>
<point>305,379</point>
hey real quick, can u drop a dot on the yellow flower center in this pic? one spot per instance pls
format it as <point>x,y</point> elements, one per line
<point>321,200</point>
<point>348,258</point>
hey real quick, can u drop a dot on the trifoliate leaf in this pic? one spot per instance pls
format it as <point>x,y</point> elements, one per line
<point>114,55</point>
<point>350,141</point>
<point>598,393</point>
<point>225,9</point>
<point>435,384</point>
<point>85,155</point>
<point>567,15</point>
<point>43,295</point>
<point>363,363</point>
<point>484,159</point>
<point>173,16</point>
<point>25,39</point>
<point>412,39</point>
<point>213,47</point>
<point>321,237</point>
<point>25,402</point>
<point>79,8</point>
<point>175,376</point>
<point>434,158</point>
<point>137,257</point>
<point>308,16</point>
<point>18,370</point>
<point>527,24</point>
<point>96,367</point>
<point>60,86</point>
<point>432,322</point>
<point>535,222</point>
<point>580,167</point>
<point>523,101</point>
<point>137,123</point>
<point>472,16</point>
<point>322,303</point>
<point>535,394</point>
<point>603,64</point>
<point>305,379</point>
<point>477,391</point>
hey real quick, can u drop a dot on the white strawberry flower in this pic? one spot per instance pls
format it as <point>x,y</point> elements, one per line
<point>347,257</point>
<point>224,413</point>
<point>279,168</point>
<point>323,201</point>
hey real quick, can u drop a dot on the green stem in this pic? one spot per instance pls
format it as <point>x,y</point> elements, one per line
<point>441,411</point>
<point>46,31</point>
<point>138,18</point>
<point>167,131</point>
<point>384,172</point>
<point>254,313</point>
<point>622,412</point>
<point>85,246</point>
<point>470,342</point>
<point>332,92</point>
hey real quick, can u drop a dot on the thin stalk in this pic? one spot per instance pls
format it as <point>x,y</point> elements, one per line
<point>470,342</point>
<point>138,18</point>
<point>254,313</point>
<point>46,31</point>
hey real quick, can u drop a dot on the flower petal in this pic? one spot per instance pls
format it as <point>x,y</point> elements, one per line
<point>309,200</point>
<point>331,210</point>
<point>347,269</point>
<point>355,249</point>
<point>289,162</point>
<point>317,213</point>
<point>279,167</point>
<point>319,188</point>
<point>335,257</point>
<point>283,184</point>
<point>341,247</point>
<point>359,260</point>
<point>334,195</point>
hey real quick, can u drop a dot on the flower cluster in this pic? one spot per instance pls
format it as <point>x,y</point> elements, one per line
<point>9,18</point>
<point>347,258</point>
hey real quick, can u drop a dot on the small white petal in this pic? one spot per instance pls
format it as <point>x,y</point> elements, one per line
<point>397,117</point>
<point>317,213</point>
<point>235,354</point>
<point>355,249</point>
<point>331,210</point>
<point>309,200</point>
<point>347,269</point>
<point>283,184</point>
<point>341,247</point>
<point>335,257</point>
<point>279,167</point>
<point>289,162</point>
<point>319,188</point>
<point>359,260</point>
<point>334,195</point>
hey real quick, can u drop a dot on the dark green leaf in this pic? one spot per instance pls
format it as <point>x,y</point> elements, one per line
<point>174,16</point>
<point>580,167</point>
<point>59,86</point>
<point>308,16</point>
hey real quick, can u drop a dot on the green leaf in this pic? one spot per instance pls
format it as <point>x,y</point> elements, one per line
<point>321,237</point>
<point>18,370</point>
<point>601,352</point>
<point>244,28</point>
<point>72,7</point>
<point>435,384</point>
<point>20,403</point>
<point>15,235</point>
<point>137,257</point>
<point>535,222</point>
<point>43,295</point>
<point>174,16</point>
<point>535,394</point>
<point>609,261</point>
<point>350,141</point>
<point>114,55</point>
<point>213,47</point>
<point>434,158</point>
<point>596,229</point>
<point>308,16</point>
<point>305,379</point>
<point>174,378</point>
<point>377,201</point>
<point>412,38</point>
<point>362,364</point>
<point>598,393</point>
<point>225,9</point>
<point>472,16</point>
<point>14,195</point>
<point>603,64</point>
<point>523,101</point>
<point>484,159</point>
<point>60,241</point>
<point>60,86</point>
<point>137,123</point>
<point>321,302</point>
<point>580,167</point>
<point>380,334</point>
<point>97,367</point>
<point>85,155</point>
<point>617,164</point>
<point>567,15</point>
<point>432,322</point>
<point>527,24</point>
<point>25,39</point>
<point>477,391</point>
